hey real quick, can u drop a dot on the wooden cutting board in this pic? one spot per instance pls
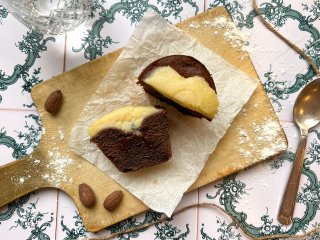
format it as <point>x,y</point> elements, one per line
<point>52,164</point>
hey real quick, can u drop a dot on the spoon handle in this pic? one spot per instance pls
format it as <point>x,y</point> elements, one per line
<point>289,198</point>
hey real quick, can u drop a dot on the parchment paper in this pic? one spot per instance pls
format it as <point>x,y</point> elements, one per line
<point>193,140</point>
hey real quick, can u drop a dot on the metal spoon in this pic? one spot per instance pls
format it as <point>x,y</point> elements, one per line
<point>306,114</point>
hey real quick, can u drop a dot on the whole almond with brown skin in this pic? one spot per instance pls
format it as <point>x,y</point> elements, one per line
<point>112,200</point>
<point>86,195</point>
<point>53,102</point>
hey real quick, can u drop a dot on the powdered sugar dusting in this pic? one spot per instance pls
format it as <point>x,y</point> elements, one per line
<point>19,180</point>
<point>244,137</point>
<point>36,161</point>
<point>194,25</point>
<point>266,140</point>
<point>270,132</point>
<point>61,134</point>
<point>58,166</point>
<point>233,35</point>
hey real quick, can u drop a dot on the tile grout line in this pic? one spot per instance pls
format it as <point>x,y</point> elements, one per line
<point>57,209</point>
<point>58,191</point>
<point>65,53</point>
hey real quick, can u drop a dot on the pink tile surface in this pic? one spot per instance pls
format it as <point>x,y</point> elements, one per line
<point>255,192</point>
<point>18,122</point>
<point>36,210</point>
<point>213,222</point>
<point>49,64</point>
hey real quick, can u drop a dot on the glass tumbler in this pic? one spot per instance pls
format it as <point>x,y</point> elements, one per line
<point>50,16</point>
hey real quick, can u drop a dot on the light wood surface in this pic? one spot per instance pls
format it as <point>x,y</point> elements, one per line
<point>77,86</point>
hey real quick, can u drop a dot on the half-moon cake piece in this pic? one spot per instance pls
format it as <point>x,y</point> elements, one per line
<point>183,82</point>
<point>133,137</point>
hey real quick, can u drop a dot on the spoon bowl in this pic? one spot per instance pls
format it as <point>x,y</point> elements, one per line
<point>306,114</point>
<point>306,110</point>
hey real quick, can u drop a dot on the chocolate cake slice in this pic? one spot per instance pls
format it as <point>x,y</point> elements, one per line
<point>183,82</point>
<point>133,137</point>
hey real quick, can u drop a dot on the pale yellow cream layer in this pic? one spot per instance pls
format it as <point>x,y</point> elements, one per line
<point>193,93</point>
<point>127,119</point>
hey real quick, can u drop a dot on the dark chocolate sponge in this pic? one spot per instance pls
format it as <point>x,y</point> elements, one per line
<point>131,151</point>
<point>186,66</point>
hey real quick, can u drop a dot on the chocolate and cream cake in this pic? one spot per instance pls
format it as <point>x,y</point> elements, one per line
<point>133,137</point>
<point>183,82</point>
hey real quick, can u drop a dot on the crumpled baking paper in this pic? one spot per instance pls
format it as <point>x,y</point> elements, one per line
<point>193,140</point>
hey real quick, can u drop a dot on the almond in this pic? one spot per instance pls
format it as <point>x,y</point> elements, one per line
<point>86,195</point>
<point>112,200</point>
<point>53,102</point>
